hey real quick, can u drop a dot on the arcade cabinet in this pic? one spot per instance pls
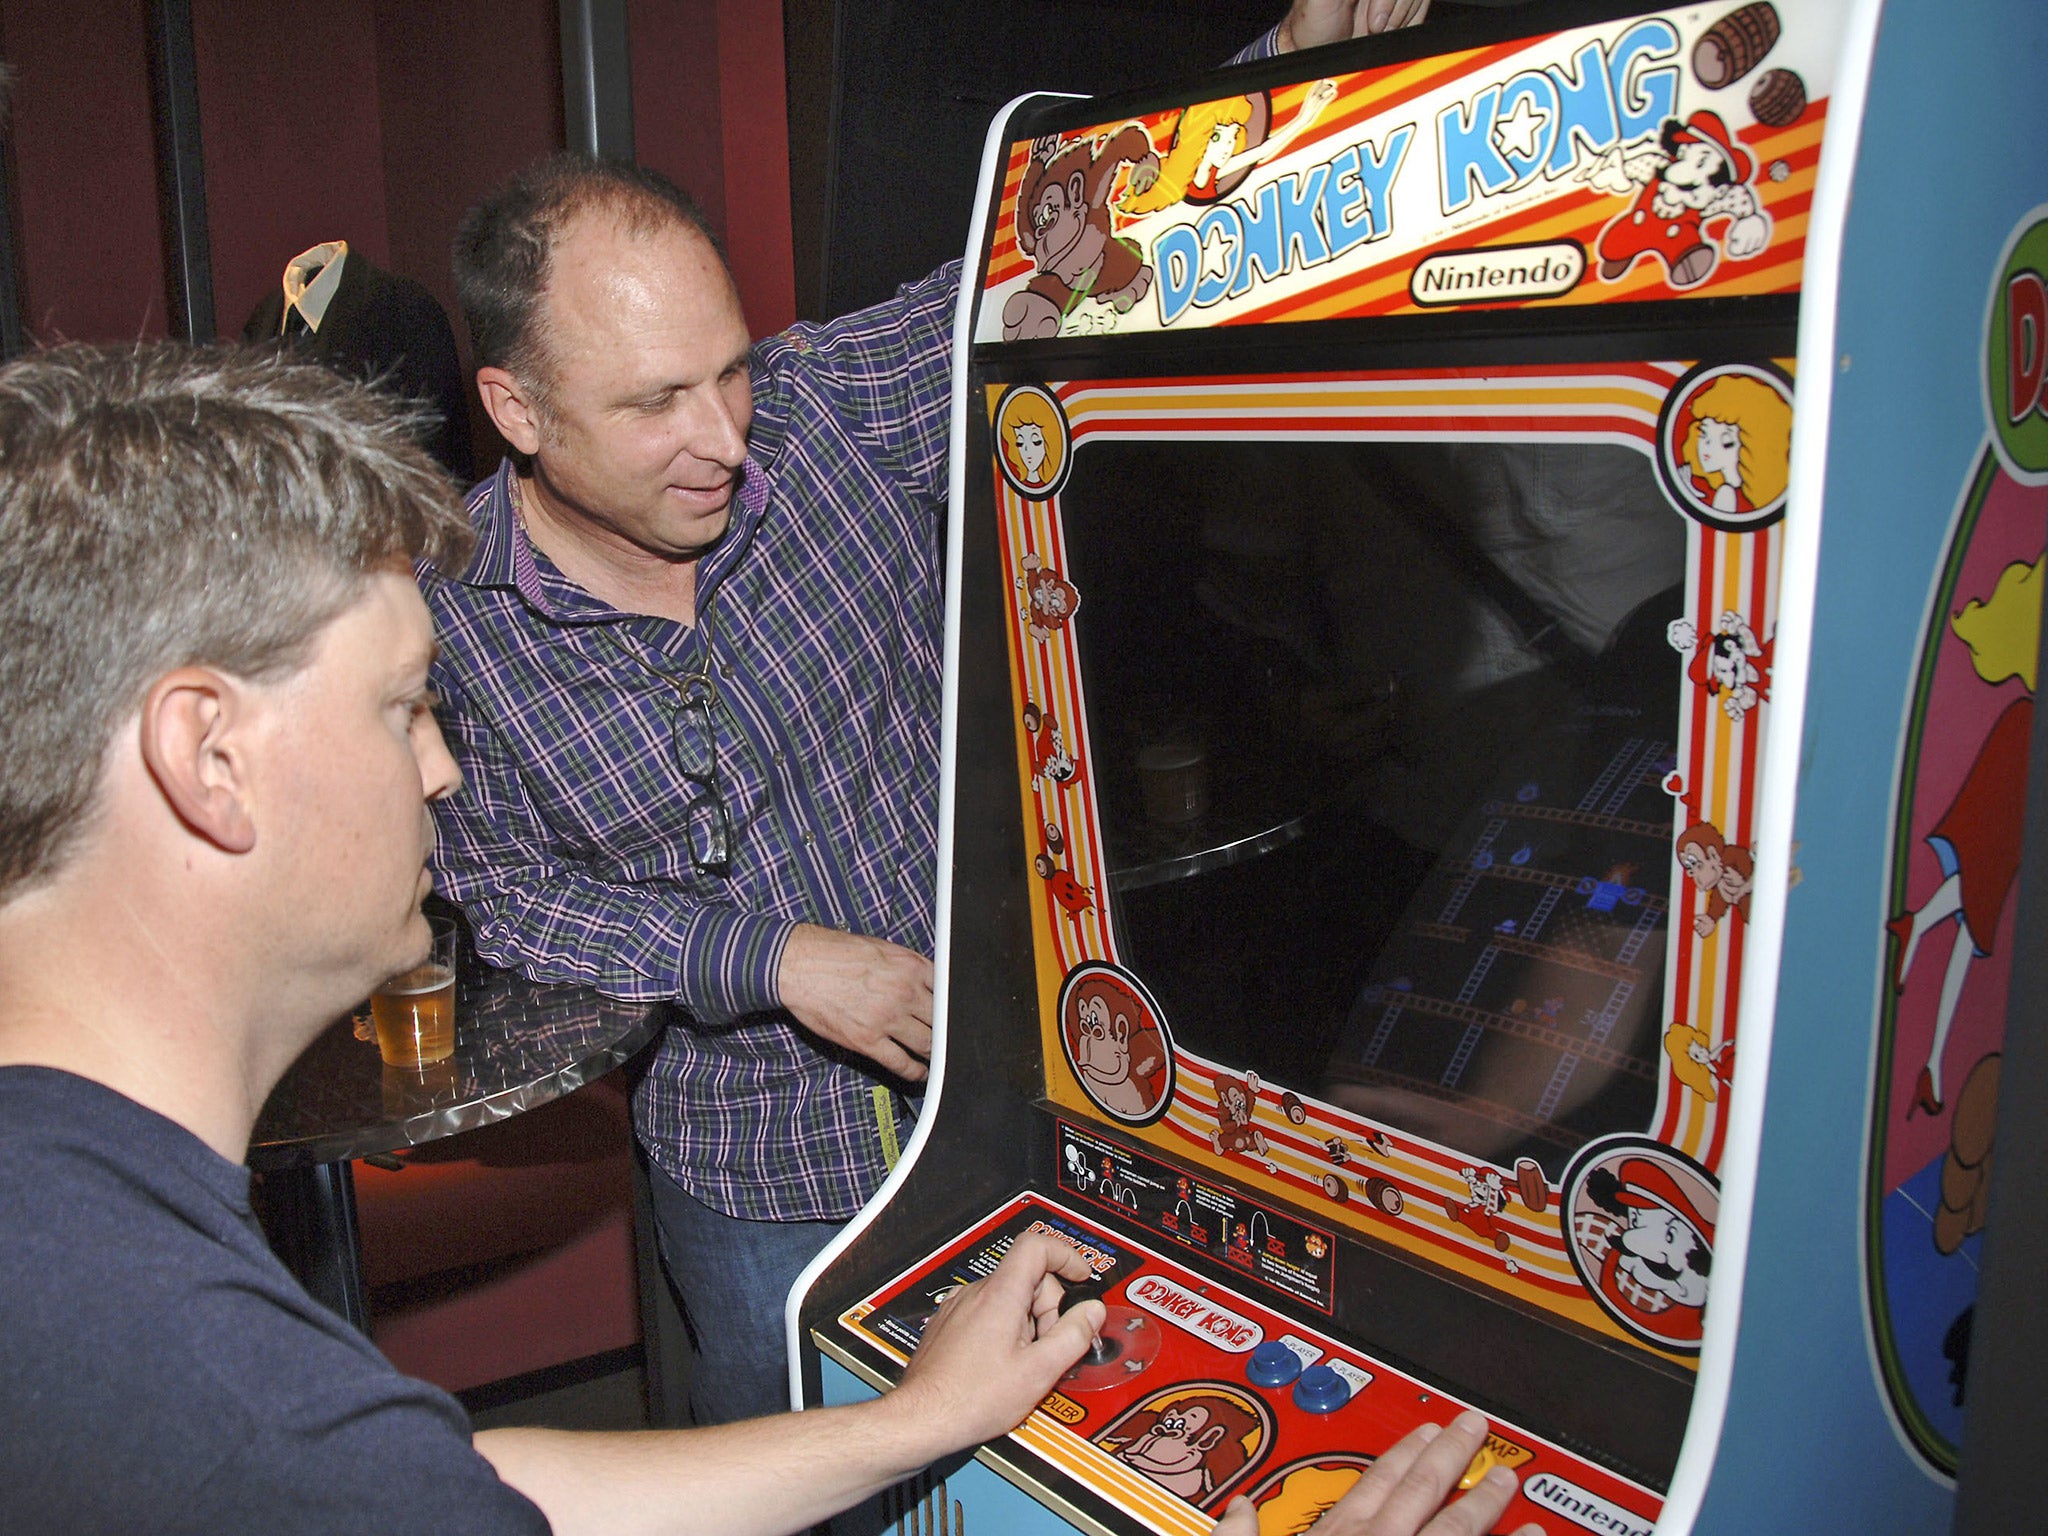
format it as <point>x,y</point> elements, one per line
<point>1390,636</point>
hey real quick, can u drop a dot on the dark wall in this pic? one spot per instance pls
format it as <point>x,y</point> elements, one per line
<point>84,164</point>
<point>709,110</point>
<point>890,101</point>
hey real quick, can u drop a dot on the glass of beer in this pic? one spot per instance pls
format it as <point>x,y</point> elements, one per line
<point>415,1010</point>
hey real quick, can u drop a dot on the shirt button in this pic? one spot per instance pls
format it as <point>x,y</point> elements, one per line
<point>808,839</point>
<point>778,759</point>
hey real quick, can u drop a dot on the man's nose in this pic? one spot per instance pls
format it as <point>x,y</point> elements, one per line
<point>439,776</point>
<point>714,431</point>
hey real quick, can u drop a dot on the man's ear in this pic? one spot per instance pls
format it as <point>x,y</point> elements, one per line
<point>197,758</point>
<point>513,408</point>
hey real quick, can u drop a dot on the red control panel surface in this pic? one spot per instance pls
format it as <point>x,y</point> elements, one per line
<point>1196,1394</point>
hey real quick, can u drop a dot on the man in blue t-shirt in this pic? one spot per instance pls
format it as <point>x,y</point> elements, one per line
<point>215,766</point>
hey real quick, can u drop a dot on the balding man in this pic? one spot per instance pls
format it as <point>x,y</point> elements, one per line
<point>692,676</point>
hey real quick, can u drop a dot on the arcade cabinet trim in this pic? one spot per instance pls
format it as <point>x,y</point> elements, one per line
<point>1780,770</point>
<point>949,710</point>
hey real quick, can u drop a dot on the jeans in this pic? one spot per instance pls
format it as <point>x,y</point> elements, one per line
<point>732,1277</point>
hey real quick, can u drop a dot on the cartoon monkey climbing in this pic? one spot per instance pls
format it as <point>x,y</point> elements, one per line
<point>1236,1097</point>
<point>1063,225</point>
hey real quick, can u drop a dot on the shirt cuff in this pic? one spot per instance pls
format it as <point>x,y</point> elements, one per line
<point>1264,46</point>
<point>729,963</point>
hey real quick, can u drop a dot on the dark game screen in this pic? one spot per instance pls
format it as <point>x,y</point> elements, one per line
<point>1379,734</point>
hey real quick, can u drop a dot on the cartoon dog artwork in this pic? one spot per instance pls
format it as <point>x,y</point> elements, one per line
<point>1049,599</point>
<point>1195,1440</point>
<point>1236,1098</point>
<point>1051,762</point>
<point>1690,175</point>
<point>1064,228</point>
<point>1481,1214</point>
<point>1644,1243</point>
<point>1732,665</point>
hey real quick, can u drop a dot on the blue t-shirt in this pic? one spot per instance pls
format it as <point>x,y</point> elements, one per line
<point>161,1371</point>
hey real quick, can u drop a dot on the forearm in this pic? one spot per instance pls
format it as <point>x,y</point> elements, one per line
<point>641,943</point>
<point>765,1477</point>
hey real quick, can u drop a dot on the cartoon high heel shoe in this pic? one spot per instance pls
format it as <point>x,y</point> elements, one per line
<point>1924,1098</point>
<point>1901,929</point>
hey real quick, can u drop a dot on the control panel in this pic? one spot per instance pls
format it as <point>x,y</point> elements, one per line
<point>1194,1393</point>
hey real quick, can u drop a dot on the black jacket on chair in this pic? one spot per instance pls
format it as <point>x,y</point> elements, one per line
<point>382,325</point>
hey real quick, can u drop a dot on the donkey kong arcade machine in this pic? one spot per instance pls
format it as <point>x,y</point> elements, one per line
<point>1390,635</point>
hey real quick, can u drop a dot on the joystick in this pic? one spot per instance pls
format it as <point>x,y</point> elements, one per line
<point>1104,1347</point>
<point>1124,1345</point>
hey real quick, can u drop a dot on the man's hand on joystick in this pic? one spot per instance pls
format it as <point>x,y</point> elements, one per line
<point>1101,1350</point>
<point>995,1348</point>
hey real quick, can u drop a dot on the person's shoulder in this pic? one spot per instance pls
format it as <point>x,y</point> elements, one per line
<point>852,336</point>
<point>79,1161</point>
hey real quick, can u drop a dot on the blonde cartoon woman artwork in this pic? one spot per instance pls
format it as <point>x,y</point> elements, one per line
<point>1977,840</point>
<point>1739,448</point>
<point>1030,439</point>
<point>1211,149</point>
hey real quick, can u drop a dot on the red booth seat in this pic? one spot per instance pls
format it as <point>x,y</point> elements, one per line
<point>506,1249</point>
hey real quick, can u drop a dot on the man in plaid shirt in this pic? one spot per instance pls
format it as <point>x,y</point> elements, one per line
<point>691,676</point>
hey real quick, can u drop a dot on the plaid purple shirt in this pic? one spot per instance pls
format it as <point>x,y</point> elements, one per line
<point>565,845</point>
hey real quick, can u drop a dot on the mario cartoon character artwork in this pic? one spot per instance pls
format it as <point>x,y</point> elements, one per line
<point>1689,175</point>
<point>1641,1227</point>
<point>1480,1215</point>
<point>1116,1043</point>
<point>1236,1098</point>
<point>1732,665</point>
<point>1197,1440</point>
<point>1049,599</point>
<point>1064,228</point>
<point>1051,762</point>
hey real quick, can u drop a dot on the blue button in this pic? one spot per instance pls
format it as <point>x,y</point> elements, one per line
<point>1321,1390</point>
<point>1273,1365</point>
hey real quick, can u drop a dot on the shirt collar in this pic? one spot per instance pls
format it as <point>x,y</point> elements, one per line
<point>505,558</point>
<point>311,299</point>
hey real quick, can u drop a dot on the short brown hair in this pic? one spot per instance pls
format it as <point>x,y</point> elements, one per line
<point>505,247</point>
<point>164,506</point>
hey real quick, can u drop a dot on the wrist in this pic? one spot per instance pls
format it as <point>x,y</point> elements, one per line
<point>914,1431</point>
